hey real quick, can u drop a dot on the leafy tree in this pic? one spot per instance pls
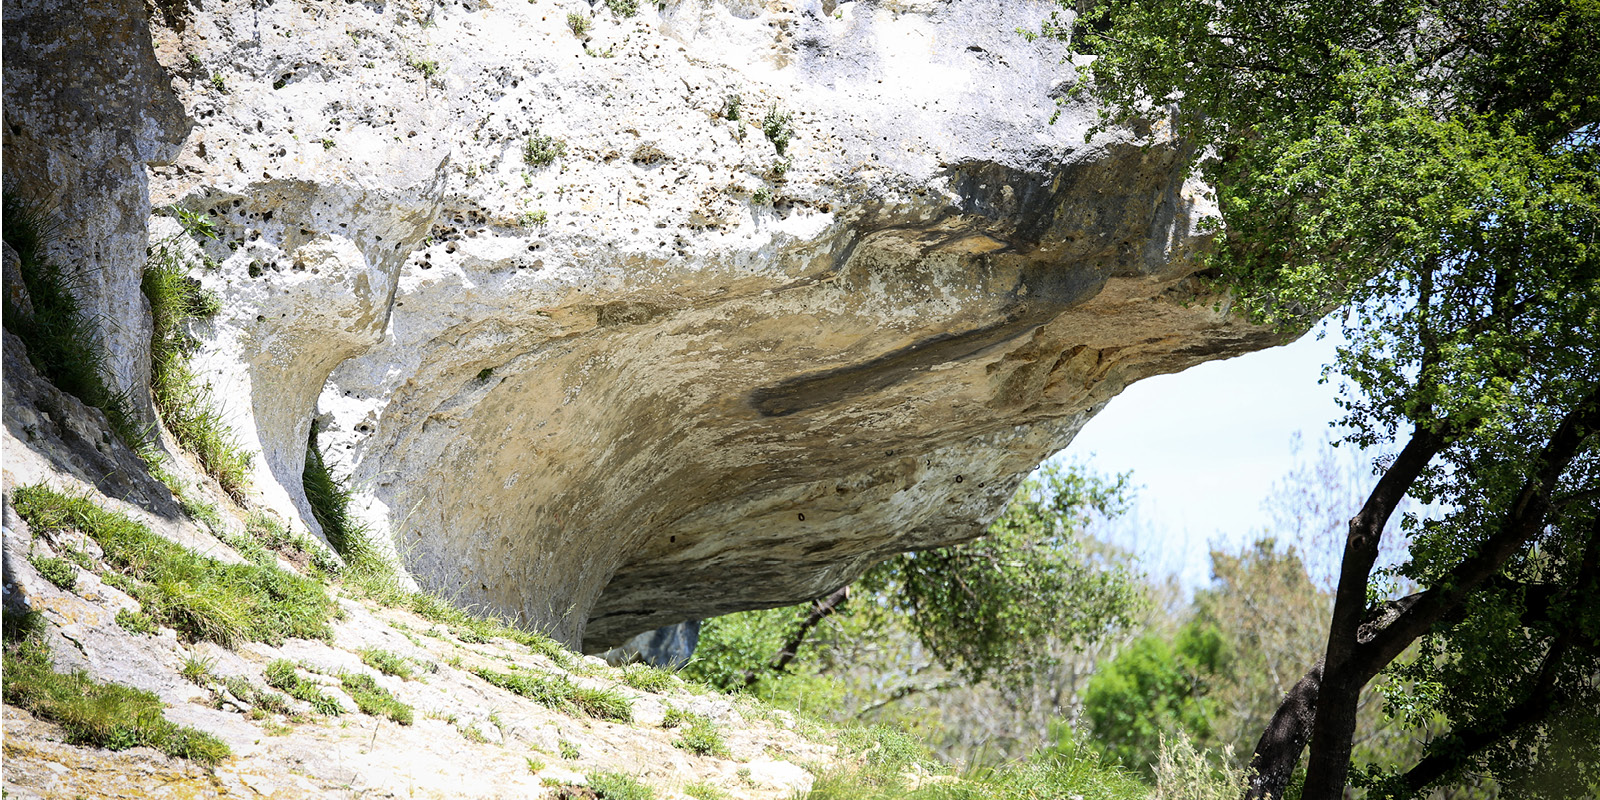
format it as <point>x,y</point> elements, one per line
<point>1001,610</point>
<point>1153,688</point>
<point>1431,169</point>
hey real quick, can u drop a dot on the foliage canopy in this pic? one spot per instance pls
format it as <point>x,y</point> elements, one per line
<point>1430,169</point>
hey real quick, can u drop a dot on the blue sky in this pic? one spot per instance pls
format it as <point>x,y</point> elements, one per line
<point>1205,447</point>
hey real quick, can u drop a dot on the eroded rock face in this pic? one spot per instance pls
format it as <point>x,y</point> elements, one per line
<point>673,372</point>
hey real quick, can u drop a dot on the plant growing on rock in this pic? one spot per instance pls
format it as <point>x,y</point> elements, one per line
<point>623,8</point>
<point>578,24</point>
<point>539,150</point>
<point>777,128</point>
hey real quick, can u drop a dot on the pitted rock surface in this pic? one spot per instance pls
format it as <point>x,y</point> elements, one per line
<point>672,372</point>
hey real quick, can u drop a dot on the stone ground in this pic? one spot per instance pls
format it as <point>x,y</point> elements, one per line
<point>469,738</point>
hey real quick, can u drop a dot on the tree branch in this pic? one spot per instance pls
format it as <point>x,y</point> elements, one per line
<point>820,608</point>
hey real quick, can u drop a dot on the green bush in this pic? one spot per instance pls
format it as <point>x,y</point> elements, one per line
<point>778,129</point>
<point>386,662</point>
<point>624,8</point>
<point>135,622</point>
<point>539,150</point>
<point>204,599</point>
<point>578,23</point>
<point>648,678</point>
<point>93,714</point>
<point>58,571</point>
<point>281,675</point>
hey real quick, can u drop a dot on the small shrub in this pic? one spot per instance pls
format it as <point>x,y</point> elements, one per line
<point>569,751</point>
<point>219,83</point>
<point>777,128</point>
<point>428,67</point>
<point>624,9</point>
<point>539,150</point>
<point>136,622</point>
<point>762,197</point>
<point>578,23</point>
<point>602,704</point>
<point>537,217</point>
<point>730,107</point>
<point>58,571</point>
<point>617,786</point>
<point>534,764</point>
<point>701,737</point>
<point>559,692</point>
<point>675,717</point>
<point>388,663</point>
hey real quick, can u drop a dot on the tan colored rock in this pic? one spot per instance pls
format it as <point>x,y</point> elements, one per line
<point>669,372</point>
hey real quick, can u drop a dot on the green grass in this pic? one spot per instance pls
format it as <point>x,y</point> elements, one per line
<point>879,758</point>
<point>185,402</point>
<point>107,715</point>
<point>648,678</point>
<point>569,751</point>
<point>373,699</point>
<point>204,599</point>
<point>136,622</point>
<point>281,675</point>
<point>701,737</point>
<point>60,338</point>
<point>387,663</point>
<point>58,571</point>
<point>617,786</point>
<point>704,790</point>
<point>559,692</point>
<point>776,125</point>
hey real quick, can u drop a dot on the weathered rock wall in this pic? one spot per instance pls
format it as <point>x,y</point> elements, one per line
<point>673,373</point>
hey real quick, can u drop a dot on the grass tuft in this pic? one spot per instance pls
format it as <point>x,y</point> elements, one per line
<point>617,786</point>
<point>281,675</point>
<point>704,790</point>
<point>559,692</point>
<point>204,599</point>
<point>95,714</point>
<point>387,663</point>
<point>648,678</point>
<point>185,403</point>
<point>373,699</point>
<point>60,338</point>
<point>701,737</point>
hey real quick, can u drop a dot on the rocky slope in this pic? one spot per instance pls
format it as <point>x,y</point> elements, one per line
<point>597,351</point>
